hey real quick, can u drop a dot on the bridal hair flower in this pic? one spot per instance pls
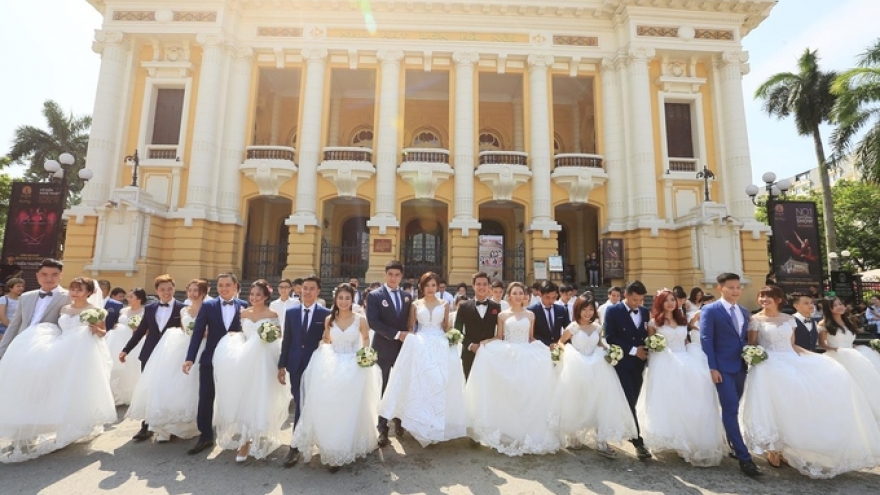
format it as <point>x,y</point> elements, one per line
<point>663,290</point>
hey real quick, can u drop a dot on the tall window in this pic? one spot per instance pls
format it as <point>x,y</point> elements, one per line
<point>166,119</point>
<point>679,132</point>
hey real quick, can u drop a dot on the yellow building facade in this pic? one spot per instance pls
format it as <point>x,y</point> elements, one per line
<point>331,137</point>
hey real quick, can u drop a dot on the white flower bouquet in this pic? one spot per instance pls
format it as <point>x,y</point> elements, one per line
<point>189,328</point>
<point>134,322</point>
<point>656,343</point>
<point>875,344</point>
<point>613,354</point>
<point>754,354</point>
<point>454,336</point>
<point>92,316</point>
<point>268,332</point>
<point>366,357</point>
<point>556,354</point>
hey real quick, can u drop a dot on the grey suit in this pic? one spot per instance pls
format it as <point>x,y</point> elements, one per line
<point>26,306</point>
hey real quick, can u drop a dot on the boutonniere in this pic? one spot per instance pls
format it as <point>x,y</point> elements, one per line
<point>406,299</point>
<point>384,303</point>
<point>494,311</point>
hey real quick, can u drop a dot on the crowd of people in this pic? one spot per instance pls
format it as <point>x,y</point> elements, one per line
<point>521,370</point>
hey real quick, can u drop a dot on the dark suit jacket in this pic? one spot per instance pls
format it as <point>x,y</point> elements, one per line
<point>113,308</point>
<point>385,322</point>
<point>545,332</point>
<point>722,341</point>
<point>211,318</point>
<point>806,336</point>
<point>150,327</point>
<point>620,329</point>
<point>475,328</point>
<point>298,344</point>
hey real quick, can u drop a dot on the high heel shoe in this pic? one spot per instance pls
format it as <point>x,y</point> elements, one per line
<point>774,459</point>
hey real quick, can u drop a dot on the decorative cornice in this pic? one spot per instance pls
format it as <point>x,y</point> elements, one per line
<point>657,31</point>
<point>714,34</point>
<point>134,15</point>
<point>279,32</point>
<point>564,40</point>
<point>195,16</point>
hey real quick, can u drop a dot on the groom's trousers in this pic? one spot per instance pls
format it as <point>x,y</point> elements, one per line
<point>205,418</point>
<point>730,391</point>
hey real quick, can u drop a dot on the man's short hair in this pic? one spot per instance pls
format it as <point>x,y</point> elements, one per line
<point>311,278</point>
<point>117,290</point>
<point>549,286</point>
<point>636,287</point>
<point>480,275</point>
<point>52,263</point>
<point>498,285</point>
<point>615,288</point>
<point>229,275</point>
<point>166,278</point>
<point>394,265</point>
<point>725,277</point>
<point>297,281</point>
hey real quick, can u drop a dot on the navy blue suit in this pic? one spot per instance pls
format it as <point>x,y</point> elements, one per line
<point>149,327</point>
<point>113,308</point>
<point>210,318</point>
<point>297,346</point>
<point>549,334</point>
<point>723,343</point>
<point>386,322</point>
<point>620,330</point>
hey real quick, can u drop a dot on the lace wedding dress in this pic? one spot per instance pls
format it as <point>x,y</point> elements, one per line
<point>426,387</point>
<point>858,365</point>
<point>124,376</point>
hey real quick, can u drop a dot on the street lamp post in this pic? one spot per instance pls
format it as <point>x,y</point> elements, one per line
<point>706,175</point>
<point>774,189</point>
<point>57,167</point>
<point>135,162</point>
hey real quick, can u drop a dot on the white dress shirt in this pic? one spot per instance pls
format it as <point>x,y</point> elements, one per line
<point>280,308</point>
<point>449,298</point>
<point>228,313</point>
<point>307,319</point>
<point>42,304</point>
<point>163,314</point>
<point>570,307</point>
<point>738,314</point>
<point>482,308</point>
<point>601,311</point>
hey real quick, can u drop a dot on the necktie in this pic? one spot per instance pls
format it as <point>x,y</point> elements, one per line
<point>482,303</point>
<point>733,319</point>
<point>633,311</point>
<point>228,303</point>
<point>164,305</point>
<point>305,318</point>
<point>45,294</point>
<point>549,316</point>
<point>397,301</point>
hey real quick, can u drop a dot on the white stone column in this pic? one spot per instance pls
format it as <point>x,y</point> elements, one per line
<point>234,131</point>
<point>276,121</point>
<point>463,129</point>
<point>615,145</point>
<point>518,124</point>
<point>206,131</point>
<point>541,149</point>
<point>575,127</point>
<point>305,212</point>
<point>335,112</point>
<point>641,131</point>
<point>737,162</point>
<point>386,150</point>
<point>101,157</point>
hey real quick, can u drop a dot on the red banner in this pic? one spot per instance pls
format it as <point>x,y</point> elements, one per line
<point>33,225</point>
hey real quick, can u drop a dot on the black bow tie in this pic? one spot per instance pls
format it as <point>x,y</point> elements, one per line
<point>164,305</point>
<point>45,294</point>
<point>482,303</point>
<point>228,303</point>
<point>634,311</point>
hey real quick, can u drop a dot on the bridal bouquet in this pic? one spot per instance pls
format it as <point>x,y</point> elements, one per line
<point>556,354</point>
<point>454,336</point>
<point>656,343</point>
<point>366,357</point>
<point>92,316</point>
<point>613,354</point>
<point>269,332</point>
<point>754,354</point>
<point>134,322</point>
<point>189,328</point>
<point>875,344</point>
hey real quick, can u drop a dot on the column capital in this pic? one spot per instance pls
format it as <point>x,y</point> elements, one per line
<point>465,58</point>
<point>540,61</point>
<point>390,56</point>
<point>312,55</point>
<point>243,53</point>
<point>639,53</point>
<point>610,64</point>
<point>210,39</point>
<point>104,39</point>
<point>734,58</point>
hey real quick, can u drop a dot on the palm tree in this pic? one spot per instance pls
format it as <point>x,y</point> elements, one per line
<point>806,96</point>
<point>857,110</point>
<point>32,146</point>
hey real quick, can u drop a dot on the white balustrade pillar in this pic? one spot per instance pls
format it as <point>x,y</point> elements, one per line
<point>518,125</point>
<point>235,129</point>
<point>737,173</point>
<point>276,121</point>
<point>305,212</point>
<point>641,131</point>
<point>101,157</point>
<point>576,127</point>
<point>386,144</point>
<point>463,130</point>
<point>335,113</point>
<point>541,150</point>
<point>615,145</point>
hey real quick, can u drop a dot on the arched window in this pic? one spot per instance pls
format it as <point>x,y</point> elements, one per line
<point>291,137</point>
<point>489,140</point>
<point>363,137</point>
<point>423,250</point>
<point>426,138</point>
<point>558,146</point>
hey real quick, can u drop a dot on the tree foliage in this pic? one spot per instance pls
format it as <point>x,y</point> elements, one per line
<point>857,113</point>
<point>5,195</point>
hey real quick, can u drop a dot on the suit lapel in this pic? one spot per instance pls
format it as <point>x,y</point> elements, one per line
<point>55,304</point>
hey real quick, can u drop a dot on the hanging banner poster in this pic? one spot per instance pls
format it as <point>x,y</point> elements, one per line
<point>612,259</point>
<point>491,256</point>
<point>795,242</point>
<point>32,225</point>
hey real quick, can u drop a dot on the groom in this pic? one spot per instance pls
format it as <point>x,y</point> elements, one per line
<point>723,334</point>
<point>476,319</point>
<point>387,314</point>
<point>38,306</point>
<point>217,316</point>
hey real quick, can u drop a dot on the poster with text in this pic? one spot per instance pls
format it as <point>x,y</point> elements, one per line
<point>491,256</point>
<point>33,225</point>
<point>612,259</point>
<point>795,244</point>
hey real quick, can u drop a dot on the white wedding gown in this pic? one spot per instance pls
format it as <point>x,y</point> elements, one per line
<point>859,367</point>
<point>426,387</point>
<point>251,405</point>
<point>589,405</point>
<point>54,389</point>
<point>166,398</point>
<point>678,407</point>
<point>340,401</point>
<point>508,394</point>
<point>124,376</point>
<point>872,355</point>
<point>806,407</point>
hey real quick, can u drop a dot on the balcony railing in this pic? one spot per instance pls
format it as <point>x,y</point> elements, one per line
<point>349,154</point>
<point>504,158</point>
<point>162,152</point>
<point>270,153</point>
<point>682,165</point>
<point>423,155</point>
<point>579,160</point>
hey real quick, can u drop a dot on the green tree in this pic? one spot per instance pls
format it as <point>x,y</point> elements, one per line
<point>806,96</point>
<point>32,146</point>
<point>5,195</point>
<point>857,113</point>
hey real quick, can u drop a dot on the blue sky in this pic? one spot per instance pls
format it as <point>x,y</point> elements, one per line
<point>52,59</point>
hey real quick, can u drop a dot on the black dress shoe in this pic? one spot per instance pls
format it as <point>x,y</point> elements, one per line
<point>292,457</point>
<point>333,469</point>
<point>749,468</point>
<point>200,447</point>
<point>383,439</point>
<point>398,428</point>
<point>642,452</point>
<point>143,434</point>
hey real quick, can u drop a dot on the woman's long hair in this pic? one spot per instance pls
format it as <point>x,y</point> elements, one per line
<point>343,287</point>
<point>659,313</point>
<point>828,322</point>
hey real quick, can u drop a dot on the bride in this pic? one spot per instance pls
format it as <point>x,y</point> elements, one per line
<point>69,366</point>
<point>803,408</point>
<point>124,376</point>
<point>426,387</point>
<point>251,406</point>
<point>511,385</point>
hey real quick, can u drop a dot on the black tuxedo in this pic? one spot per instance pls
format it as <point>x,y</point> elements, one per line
<point>149,327</point>
<point>620,330</point>
<point>806,336</point>
<point>475,328</point>
<point>545,331</point>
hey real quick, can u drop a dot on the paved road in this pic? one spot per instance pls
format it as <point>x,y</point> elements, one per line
<point>113,464</point>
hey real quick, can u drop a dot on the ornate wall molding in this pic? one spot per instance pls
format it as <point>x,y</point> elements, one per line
<point>195,16</point>
<point>279,32</point>
<point>714,34</point>
<point>134,15</point>
<point>657,31</point>
<point>564,40</point>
